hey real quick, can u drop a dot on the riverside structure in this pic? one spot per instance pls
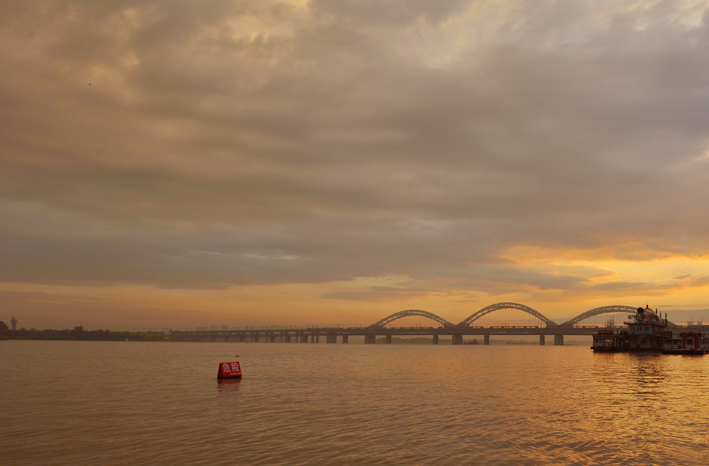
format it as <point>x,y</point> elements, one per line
<point>457,332</point>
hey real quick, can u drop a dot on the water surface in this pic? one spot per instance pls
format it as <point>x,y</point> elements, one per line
<point>133,403</point>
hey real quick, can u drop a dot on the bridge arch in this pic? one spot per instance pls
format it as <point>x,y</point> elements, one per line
<point>409,313</point>
<point>614,309</point>
<point>496,307</point>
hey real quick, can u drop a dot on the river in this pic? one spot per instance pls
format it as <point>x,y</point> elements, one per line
<point>133,403</point>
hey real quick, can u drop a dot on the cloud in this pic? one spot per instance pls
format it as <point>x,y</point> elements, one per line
<point>176,145</point>
<point>378,294</point>
<point>49,310</point>
<point>389,12</point>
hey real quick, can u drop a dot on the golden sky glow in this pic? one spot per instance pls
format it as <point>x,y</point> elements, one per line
<point>177,164</point>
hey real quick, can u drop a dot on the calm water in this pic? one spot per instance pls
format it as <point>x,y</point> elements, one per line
<point>160,403</point>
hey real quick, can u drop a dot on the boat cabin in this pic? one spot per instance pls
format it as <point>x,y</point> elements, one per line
<point>687,343</point>
<point>609,341</point>
<point>647,330</point>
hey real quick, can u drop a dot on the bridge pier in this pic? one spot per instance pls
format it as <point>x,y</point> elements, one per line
<point>486,340</point>
<point>388,340</point>
<point>542,342</point>
<point>435,339</point>
<point>304,338</point>
<point>559,340</point>
<point>345,338</point>
<point>273,338</point>
<point>370,339</point>
<point>317,338</point>
<point>331,338</point>
<point>457,339</point>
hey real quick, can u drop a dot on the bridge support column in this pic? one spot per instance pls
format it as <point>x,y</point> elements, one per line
<point>331,338</point>
<point>317,338</point>
<point>287,338</point>
<point>559,340</point>
<point>486,340</point>
<point>273,338</point>
<point>435,339</point>
<point>304,338</point>
<point>370,339</point>
<point>542,342</point>
<point>345,338</point>
<point>457,339</point>
<point>388,340</point>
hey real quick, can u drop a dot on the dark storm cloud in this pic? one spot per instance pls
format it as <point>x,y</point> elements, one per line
<point>202,145</point>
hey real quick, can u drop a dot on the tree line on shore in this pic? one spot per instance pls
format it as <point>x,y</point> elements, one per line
<point>77,333</point>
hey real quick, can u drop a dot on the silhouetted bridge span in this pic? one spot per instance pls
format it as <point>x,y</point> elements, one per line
<point>457,332</point>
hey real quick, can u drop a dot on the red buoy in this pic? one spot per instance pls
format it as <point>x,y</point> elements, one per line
<point>229,370</point>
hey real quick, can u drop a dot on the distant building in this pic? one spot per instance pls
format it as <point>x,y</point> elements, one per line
<point>14,323</point>
<point>213,327</point>
<point>223,327</point>
<point>201,329</point>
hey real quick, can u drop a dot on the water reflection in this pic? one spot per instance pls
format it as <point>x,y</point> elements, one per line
<point>647,369</point>
<point>228,385</point>
<point>357,404</point>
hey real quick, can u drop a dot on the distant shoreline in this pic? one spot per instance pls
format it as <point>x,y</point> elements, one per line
<point>79,334</point>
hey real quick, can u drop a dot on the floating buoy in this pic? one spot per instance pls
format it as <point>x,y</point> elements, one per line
<point>229,370</point>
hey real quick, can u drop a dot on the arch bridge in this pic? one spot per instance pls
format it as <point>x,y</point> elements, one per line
<point>445,328</point>
<point>615,309</point>
<point>499,306</point>
<point>411,313</point>
<point>466,327</point>
<point>468,321</point>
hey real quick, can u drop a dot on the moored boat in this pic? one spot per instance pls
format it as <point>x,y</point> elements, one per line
<point>608,341</point>
<point>646,331</point>
<point>689,343</point>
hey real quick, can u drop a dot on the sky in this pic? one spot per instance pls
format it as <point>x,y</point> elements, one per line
<point>180,163</point>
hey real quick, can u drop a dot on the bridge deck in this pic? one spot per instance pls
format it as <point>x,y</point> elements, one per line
<point>406,331</point>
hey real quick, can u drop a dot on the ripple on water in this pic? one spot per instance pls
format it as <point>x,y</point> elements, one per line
<point>154,403</point>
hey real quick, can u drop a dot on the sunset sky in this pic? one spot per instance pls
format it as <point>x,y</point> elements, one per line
<point>183,163</point>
